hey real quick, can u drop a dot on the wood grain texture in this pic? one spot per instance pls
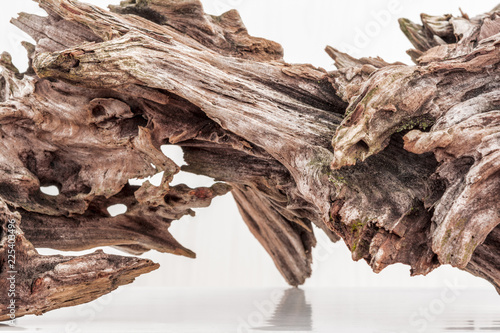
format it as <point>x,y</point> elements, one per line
<point>38,283</point>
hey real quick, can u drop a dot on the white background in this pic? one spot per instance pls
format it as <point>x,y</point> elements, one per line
<point>228,255</point>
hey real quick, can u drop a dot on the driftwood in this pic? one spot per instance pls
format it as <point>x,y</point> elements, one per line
<point>401,162</point>
<point>32,283</point>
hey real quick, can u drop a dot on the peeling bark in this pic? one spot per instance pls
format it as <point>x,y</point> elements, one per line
<point>399,161</point>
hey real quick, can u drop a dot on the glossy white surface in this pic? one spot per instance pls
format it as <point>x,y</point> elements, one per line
<point>453,308</point>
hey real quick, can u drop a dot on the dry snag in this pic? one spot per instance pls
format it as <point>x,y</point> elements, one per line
<point>401,162</point>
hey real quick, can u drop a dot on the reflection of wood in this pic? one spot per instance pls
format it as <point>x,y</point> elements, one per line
<point>399,161</point>
<point>293,313</point>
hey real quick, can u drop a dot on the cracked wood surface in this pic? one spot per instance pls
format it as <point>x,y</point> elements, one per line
<point>44,283</point>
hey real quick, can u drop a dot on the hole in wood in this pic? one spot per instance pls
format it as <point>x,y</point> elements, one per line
<point>98,111</point>
<point>362,146</point>
<point>50,190</point>
<point>117,209</point>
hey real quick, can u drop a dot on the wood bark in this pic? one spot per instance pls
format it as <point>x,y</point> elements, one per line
<point>33,284</point>
<point>401,162</point>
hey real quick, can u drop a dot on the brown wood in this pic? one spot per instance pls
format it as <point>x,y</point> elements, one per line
<point>35,284</point>
<point>401,162</point>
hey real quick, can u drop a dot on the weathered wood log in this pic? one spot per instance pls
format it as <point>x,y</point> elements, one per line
<point>34,284</point>
<point>401,162</point>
